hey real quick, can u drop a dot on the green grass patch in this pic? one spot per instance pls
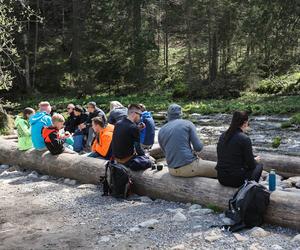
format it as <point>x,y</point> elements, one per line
<point>276,142</point>
<point>294,120</point>
<point>256,104</point>
<point>215,208</point>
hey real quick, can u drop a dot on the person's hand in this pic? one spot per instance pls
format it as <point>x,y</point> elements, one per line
<point>82,126</point>
<point>258,158</point>
<point>141,126</point>
<point>198,154</point>
<point>67,135</point>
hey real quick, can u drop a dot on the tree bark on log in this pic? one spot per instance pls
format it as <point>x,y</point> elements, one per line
<point>284,165</point>
<point>284,208</point>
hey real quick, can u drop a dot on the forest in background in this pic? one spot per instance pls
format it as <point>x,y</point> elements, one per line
<point>187,48</point>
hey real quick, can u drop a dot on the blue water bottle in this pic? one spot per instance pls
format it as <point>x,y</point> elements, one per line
<point>272,180</point>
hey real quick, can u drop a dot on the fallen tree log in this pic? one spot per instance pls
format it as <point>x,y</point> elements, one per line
<point>284,165</point>
<point>10,137</point>
<point>284,209</point>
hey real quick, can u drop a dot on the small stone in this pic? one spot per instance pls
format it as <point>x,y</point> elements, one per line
<point>258,232</point>
<point>254,247</point>
<point>66,181</point>
<point>206,211</point>
<point>145,199</point>
<point>179,217</point>
<point>72,182</point>
<point>87,186</point>
<point>178,247</point>
<point>33,175</point>
<point>45,177</point>
<point>175,210</point>
<point>148,223</point>
<point>240,237</point>
<point>4,167</point>
<point>294,179</point>
<point>297,184</point>
<point>134,229</point>
<point>286,184</point>
<point>69,182</point>
<point>276,247</point>
<point>195,207</point>
<point>296,238</point>
<point>11,174</point>
<point>227,221</point>
<point>213,235</point>
<point>221,216</point>
<point>264,175</point>
<point>104,239</point>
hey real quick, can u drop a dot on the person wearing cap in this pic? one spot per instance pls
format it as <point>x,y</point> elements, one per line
<point>37,122</point>
<point>126,148</point>
<point>70,124</point>
<point>179,141</point>
<point>117,112</point>
<point>93,111</point>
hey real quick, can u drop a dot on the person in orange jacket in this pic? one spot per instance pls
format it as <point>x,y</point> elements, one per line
<point>101,147</point>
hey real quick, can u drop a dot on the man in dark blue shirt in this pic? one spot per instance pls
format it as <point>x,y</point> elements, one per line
<point>126,146</point>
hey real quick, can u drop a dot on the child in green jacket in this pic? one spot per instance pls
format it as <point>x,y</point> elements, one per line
<point>23,128</point>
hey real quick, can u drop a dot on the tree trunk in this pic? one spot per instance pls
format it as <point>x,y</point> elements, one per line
<point>27,67</point>
<point>138,53</point>
<point>286,166</point>
<point>35,44</point>
<point>188,13</point>
<point>155,184</point>
<point>75,36</point>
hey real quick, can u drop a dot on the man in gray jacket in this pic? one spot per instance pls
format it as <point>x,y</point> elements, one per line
<point>180,144</point>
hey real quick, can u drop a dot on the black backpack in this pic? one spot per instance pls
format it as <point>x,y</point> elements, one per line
<point>117,181</point>
<point>248,205</point>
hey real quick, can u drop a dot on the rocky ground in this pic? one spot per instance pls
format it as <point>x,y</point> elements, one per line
<point>42,212</point>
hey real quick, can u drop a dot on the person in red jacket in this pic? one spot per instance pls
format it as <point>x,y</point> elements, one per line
<point>101,147</point>
<point>53,140</point>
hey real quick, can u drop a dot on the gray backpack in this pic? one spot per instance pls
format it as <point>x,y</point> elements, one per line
<point>248,206</point>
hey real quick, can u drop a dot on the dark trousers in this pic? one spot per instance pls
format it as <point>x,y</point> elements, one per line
<point>139,162</point>
<point>237,180</point>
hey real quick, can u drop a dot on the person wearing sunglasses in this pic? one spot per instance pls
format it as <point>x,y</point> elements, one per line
<point>126,148</point>
<point>70,124</point>
<point>236,162</point>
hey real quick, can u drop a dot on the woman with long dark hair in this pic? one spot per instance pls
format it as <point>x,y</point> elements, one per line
<point>236,162</point>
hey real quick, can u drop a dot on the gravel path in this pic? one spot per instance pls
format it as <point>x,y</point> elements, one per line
<point>41,212</point>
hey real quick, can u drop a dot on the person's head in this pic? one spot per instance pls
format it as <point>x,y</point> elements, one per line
<point>143,107</point>
<point>134,113</point>
<point>240,120</point>
<point>174,112</point>
<point>70,108</point>
<point>45,107</point>
<point>98,123</point>
<point>27,112</point>
<point>115,104</point>
<point>91,106</point>
<point>58,121</point>
<point>78,110</point>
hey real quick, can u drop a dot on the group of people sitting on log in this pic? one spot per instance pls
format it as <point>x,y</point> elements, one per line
<point>128,133</point>
<point>125,135</point>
